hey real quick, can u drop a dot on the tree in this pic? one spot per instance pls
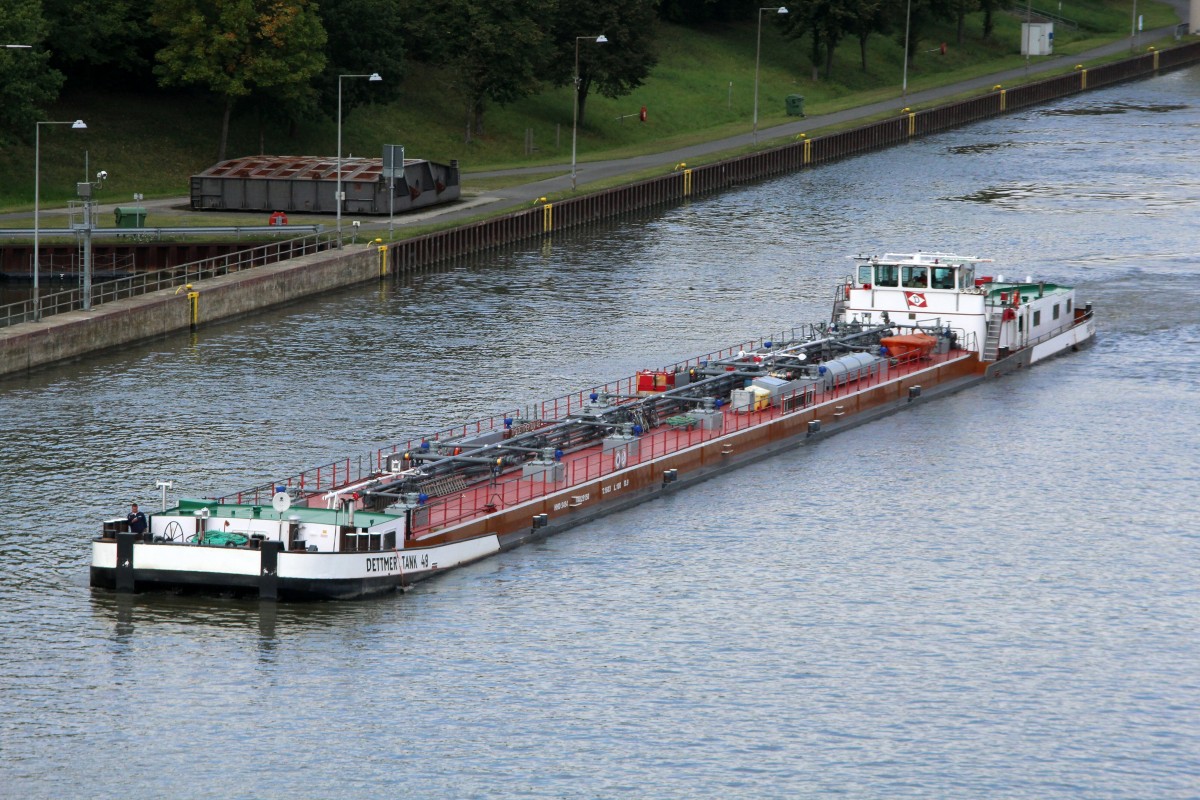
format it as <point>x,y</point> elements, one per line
<point>93,39</point>
<point>615,68</point>
<point>235,47</point>
<point>824,22</point>
<point>364,36</point>
<point>27,83</point>
<point>866,17</point>
<point>990,7</point>
<point>960,9</point>
<point>493,50</point>
<point>703,12</point>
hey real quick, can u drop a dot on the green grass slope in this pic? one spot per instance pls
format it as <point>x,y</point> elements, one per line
<point>702,89</point>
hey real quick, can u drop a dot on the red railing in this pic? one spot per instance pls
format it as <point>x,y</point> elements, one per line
<point>593,463</point>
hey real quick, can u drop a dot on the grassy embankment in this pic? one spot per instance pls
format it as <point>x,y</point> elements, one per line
<point>701,90</point>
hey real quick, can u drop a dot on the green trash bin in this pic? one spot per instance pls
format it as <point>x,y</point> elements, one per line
<point>795,105</point>
<point>130,216</point>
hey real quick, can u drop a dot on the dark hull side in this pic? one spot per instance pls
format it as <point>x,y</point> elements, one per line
<point>223,585</point>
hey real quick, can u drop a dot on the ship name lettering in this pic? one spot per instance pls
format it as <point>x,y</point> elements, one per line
<point>382,564</point>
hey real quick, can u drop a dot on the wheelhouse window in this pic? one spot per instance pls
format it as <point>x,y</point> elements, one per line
<point>915,277</point>
<point>887,275</point>
<point>864,274</point>
<point>943,278</point>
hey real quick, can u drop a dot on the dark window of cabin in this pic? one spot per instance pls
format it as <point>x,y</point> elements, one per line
<point>915,277</point>
<point>1068,305</point>
<point>887,275</point>
<point>1056,310</point>
<point>1037,318</point>
<point>943,278</point>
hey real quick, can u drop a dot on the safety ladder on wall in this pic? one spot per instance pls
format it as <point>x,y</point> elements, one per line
<point>991,343</point>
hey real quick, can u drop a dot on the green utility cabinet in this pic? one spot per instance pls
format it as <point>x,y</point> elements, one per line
<point>795,105</point>
<point>130,216</point>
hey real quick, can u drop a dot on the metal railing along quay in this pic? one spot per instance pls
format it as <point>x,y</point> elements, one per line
<point>169,278</point>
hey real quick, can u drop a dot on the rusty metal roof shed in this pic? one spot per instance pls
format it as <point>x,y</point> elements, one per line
<point>308,184</point>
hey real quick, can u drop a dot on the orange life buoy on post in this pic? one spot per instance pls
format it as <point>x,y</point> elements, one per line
<point>847,287</point>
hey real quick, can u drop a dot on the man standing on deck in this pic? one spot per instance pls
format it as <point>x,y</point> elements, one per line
<point>137,520</point>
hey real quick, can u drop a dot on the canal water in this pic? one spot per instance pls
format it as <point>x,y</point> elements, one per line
<point>990,595</point>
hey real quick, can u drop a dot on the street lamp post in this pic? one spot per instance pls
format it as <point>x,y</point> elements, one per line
<point>337,200</point>
<point>757,53</point>
<point>601,39</point>
<point>904,80</point>
<point>37,172</point>
<point>1133,28</point>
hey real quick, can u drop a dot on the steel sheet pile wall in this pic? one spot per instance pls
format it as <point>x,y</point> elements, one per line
<point>685,183</point>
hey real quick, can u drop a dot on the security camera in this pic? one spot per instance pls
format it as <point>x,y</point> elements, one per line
<point>102,175</point>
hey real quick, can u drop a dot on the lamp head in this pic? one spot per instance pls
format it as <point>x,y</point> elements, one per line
<point>601,39</point>
<point>783,10</point>
<point>374,76</point>
<point>79,124</point>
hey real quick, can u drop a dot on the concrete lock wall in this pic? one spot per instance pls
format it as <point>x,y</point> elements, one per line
<point>68,336</point>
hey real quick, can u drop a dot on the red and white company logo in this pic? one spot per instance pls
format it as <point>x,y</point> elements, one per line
<point>915,299</point>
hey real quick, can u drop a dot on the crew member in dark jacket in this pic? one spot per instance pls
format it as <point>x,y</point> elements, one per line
<point>137,520</point>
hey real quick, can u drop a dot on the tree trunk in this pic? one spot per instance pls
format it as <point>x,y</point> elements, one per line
<point>862,51</point>
<point>583,93</point>
<point>477,116</point>
<point>225,128</point>
<point>830,46</point>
